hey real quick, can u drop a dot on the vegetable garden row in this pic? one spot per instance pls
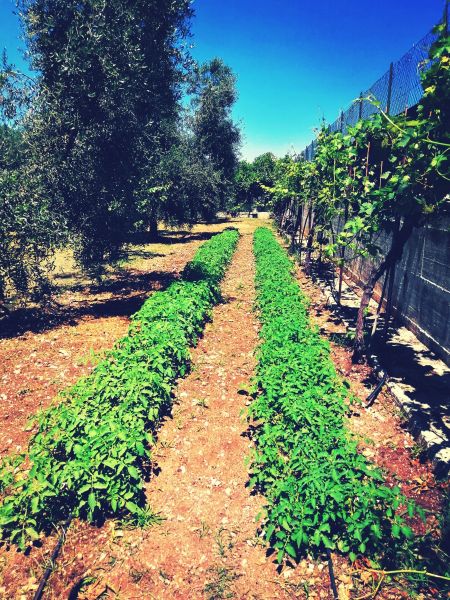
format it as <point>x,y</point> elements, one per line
<point>93,449</point>
<point>321,493</point>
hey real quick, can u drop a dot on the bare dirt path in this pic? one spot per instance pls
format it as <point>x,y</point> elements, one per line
<point>200,490</point>
<point>207,546</point>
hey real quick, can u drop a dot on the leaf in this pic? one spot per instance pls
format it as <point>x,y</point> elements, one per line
<point>407,531</point>
<point>289,548</point>
<point>35,504</point>
<point>269,532</point>
<point>32,533</point>
<point>327,542</point>
<point>133,472</point>
<point>132,507</point>
<point>92,501</point>
<point>395,530</point>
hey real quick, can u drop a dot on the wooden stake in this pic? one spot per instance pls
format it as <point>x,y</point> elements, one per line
<point>367,159</point>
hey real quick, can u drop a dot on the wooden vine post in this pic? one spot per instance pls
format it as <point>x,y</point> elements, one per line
<point>391,275</point>
<point>390,290</point>
<point>309,241</point>
<point>298,220</point>
<point>341,266</point>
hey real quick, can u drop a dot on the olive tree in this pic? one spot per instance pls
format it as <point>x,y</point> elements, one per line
<point>109,82</point>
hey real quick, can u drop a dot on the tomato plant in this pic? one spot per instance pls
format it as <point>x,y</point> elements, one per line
<point>321,492</point>
<point>92,448</point>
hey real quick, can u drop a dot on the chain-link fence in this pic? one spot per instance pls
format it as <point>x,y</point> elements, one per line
<point>397,90</point>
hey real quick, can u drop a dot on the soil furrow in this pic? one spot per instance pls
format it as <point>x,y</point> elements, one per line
<point>68,342</point>
<point>207,544</point>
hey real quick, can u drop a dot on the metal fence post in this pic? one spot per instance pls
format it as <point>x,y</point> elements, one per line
<point>446,17</point>
<point>424,46</point>
<point>360,107</point>
<point>389,94</point>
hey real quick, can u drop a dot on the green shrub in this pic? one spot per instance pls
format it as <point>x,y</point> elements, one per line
<point>321,493</point>
<point>92,449</point>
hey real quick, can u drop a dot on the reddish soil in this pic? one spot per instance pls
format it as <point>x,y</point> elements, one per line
<point>66,340</point>
<point>207,544</point>
<point>208,547</point>
<point>56,345</point>
<point>381,429</point>
<point>35,367</point>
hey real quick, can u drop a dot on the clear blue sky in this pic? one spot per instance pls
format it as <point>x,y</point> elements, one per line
<point>296,60</point>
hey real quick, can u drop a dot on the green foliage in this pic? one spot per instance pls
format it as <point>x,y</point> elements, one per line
<point>292,184</point>
<point>189,185</point>
<point>192,177</point>
<point>385,174</point>
<point>321,493</point>
<point>92,448</point>
<point>215,136</point>
<point>252,179</point>
<point>382,169</point>
<point>109,81</point>
<point>106,147</point>
<point>27,229</point>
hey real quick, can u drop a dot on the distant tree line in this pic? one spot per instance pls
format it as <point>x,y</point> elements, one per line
<point>252,181</point>
<point>116,130</point>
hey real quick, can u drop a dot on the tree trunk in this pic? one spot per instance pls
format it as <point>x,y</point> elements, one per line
<point>341,266</point>
<point>380,304</point>
<point>308,253</point>
<point>302,234</point>
<point>387,314</point>
<point>309,244</point>
<point>297,223</point>
<point>392,256</point>
<point>4,311</point>
<point>286,214</point>
<point>153,229</point>
<point>283,216</point>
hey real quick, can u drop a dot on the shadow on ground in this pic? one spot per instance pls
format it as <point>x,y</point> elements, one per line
<point>169,237</point>
<point>427,390</point>
<point>130,289</point>
<point>130,292</point>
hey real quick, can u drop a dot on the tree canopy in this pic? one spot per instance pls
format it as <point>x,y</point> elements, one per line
<point>216,136</point>
<point>105,144</point>
<point>252,180</point>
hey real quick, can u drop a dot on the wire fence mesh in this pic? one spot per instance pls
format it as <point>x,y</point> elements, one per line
<point>397,90</point>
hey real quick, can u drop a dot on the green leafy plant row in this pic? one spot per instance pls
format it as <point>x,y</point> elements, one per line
<point>92,449</point>
<point>321,493</point>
